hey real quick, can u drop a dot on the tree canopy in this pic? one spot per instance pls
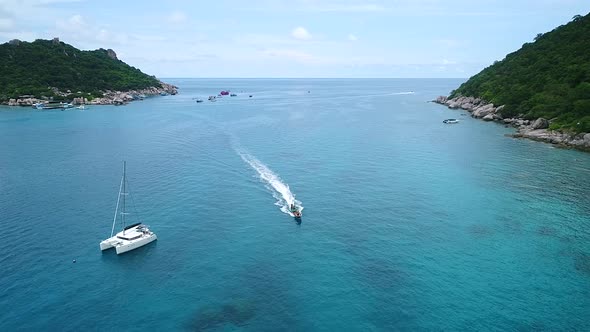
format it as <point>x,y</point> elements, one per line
<point>547,78</point>
<point>34,68</point>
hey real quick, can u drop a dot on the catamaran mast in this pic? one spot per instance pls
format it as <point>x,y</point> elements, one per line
<point>124,193</point>
<point>117,207</point>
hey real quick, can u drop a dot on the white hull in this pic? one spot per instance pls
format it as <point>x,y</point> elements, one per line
<point>122,245</point>
<point>135,244</point>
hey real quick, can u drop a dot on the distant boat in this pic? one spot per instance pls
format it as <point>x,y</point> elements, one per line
<point>82,107</point>
<point>233,95</point>
<point>163,93</point>
<point>212,98</point>
<point>450,121</point>
<point>224,93</point>
<point>132,236</point>
<point>250,96</point>
<point>199,100</point>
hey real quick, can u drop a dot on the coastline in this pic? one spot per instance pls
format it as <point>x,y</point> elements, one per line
<point>109,97</point>
<point>537,130</point>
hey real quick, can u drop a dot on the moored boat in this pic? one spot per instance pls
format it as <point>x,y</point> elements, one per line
<point>52,105</point>
<point>199,100</point>
<point>450,121</point>
<point>132,236</point>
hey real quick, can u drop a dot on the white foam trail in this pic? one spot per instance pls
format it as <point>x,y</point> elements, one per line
<point>279,189</point>
<point>402,93</point>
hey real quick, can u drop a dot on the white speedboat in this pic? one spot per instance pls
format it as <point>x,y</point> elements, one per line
<point>132,236</point>
<point>450,121</point>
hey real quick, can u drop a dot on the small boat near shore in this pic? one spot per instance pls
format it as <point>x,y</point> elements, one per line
<point>52,106</point>
<point>212,98</point>
<point>450,121</point>
<point>199,100</point>
<point>132,236</point>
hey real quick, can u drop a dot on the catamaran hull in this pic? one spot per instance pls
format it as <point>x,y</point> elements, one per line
<point>135,244</point>
<point>109,243</point>
<point>122,247</point>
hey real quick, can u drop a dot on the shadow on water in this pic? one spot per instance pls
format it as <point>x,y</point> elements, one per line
<point>480,231</point>
<point>582,263</point>
<point>261,295</point>
<point>236,313</point>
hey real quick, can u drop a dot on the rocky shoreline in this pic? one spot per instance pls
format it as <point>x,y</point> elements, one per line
<point>109,97</point>
<point>537,130</point>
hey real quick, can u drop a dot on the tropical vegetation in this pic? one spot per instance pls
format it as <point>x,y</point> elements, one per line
<point>49,68</point>
<point>547,78</point>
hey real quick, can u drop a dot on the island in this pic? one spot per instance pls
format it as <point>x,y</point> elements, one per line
<point>53,71</point>
<point>543,89</point>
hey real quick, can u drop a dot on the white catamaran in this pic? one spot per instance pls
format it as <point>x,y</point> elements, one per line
<point>132,236</point>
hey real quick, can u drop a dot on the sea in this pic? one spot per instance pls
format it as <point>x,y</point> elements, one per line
<point>409,224</point>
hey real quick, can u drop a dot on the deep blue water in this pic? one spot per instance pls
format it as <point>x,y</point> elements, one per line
<point>409,224</point>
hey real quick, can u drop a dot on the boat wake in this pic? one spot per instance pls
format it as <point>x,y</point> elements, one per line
<point>402,93</point>
<point>273,182</point>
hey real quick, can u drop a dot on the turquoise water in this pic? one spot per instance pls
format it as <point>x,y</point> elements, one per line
<point>408,224</point>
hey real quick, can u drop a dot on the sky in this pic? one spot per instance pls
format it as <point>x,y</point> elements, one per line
<point>293,38</point>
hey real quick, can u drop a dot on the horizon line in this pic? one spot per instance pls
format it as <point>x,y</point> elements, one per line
<point>320,78</point>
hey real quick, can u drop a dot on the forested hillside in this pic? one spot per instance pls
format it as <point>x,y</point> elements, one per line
<point>547,78</point>
<point>34,68</point>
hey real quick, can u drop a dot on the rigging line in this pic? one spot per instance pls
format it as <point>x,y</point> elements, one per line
<point>117,208</point>
<point>133,203</point>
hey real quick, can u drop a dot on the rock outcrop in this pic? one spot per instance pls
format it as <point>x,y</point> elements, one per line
<point>121,97</point>
<point>112,54</point>
<point>536,130</point>
<point>540,123</point>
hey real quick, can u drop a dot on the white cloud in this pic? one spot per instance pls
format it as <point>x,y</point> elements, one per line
<point>177,17</point>
<point>75,23</point>
<point>6,24</point>
<point>352,37</point>
<point>300,33</point>
<point>448,62</point>
<point>449,43</point>
<point>76,30</point>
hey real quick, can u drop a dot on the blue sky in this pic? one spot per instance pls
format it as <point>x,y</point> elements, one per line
<point>296,38</point>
